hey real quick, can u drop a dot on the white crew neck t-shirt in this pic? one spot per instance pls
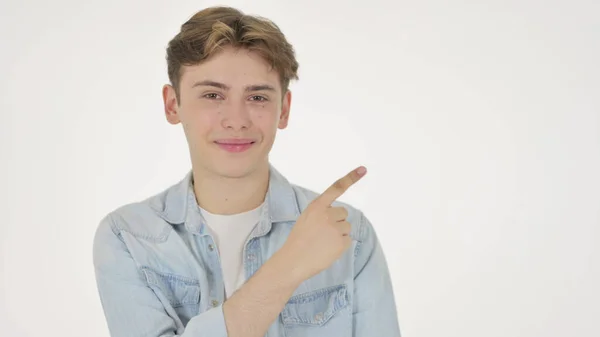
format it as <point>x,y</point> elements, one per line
<point>230,233</point>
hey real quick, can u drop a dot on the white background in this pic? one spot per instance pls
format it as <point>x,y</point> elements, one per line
<point>479,122</point>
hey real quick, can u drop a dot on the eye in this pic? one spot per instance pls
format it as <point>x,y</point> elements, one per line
<point>258,98</point>
<point>211,96</point>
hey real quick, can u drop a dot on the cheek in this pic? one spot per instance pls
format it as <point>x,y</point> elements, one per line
<point>200,122</point>
<point>265,114</point>
<point>265,120</point>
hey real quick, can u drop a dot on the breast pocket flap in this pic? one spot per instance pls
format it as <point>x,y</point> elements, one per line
<point>178,290</point>
<point>315,307</point>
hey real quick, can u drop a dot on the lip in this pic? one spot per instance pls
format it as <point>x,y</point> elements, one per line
<point>234,141</point>
<point>235,145</point>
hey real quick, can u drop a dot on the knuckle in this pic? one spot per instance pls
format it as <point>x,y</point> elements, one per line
<point>342,212</point>
<point>339,184</point>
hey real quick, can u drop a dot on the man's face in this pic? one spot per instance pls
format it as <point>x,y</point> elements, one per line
<point>230,108</point>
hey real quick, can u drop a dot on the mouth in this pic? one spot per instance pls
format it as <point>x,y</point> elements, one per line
<point>235,145</point>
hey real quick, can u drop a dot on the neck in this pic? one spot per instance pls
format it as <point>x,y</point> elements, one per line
<point>224,195</point>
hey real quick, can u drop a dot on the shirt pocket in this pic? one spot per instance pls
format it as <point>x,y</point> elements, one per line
<point>180,295</point>
<point>321,312</point>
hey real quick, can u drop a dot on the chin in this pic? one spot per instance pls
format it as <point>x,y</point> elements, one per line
<point>235,169</point>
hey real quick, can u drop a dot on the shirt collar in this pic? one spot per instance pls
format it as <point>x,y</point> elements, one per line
<point>178,204</point>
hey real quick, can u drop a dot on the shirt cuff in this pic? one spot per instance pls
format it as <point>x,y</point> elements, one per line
<point>210,323</point>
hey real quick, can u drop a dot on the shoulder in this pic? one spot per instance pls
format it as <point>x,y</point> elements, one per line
<point>144,219</point>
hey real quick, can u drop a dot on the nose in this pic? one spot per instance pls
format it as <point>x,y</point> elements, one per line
<point>235,117</point>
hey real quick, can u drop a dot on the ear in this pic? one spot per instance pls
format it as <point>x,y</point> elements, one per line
<point>285,110</point>
<point>170,104</point>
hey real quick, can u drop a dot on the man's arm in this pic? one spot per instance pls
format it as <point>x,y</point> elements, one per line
<point>132,309</point>
<point>252,309</point>
<point>374,310</point>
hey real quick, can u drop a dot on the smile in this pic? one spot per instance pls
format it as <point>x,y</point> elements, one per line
<point>235,145</point>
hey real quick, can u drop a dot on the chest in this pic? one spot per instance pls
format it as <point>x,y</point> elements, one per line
<point>186,273</point>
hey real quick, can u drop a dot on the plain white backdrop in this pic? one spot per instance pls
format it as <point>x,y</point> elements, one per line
<point>479,122</point>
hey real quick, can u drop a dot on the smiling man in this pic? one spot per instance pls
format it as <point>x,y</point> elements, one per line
<point>233,248</point>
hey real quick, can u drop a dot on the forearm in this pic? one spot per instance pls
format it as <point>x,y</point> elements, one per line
<point>252,309</point>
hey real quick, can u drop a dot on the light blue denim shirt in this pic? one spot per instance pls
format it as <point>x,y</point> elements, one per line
<point>158,272</point>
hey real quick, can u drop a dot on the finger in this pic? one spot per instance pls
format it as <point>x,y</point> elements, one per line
<point>337,213</point>
<point>341,185</point>
<point>344,227</point>
<point>347,240</point>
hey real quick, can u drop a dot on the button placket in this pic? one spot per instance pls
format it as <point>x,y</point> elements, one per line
<point>218,278</point>
<point>250,256</point>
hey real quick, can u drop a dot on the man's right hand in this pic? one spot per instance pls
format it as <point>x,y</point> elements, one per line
<point>319,237</point>
<point>321,233</point>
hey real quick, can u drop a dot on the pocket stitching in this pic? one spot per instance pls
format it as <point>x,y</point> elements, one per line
<point>339,292</point>
<point>172,282</point>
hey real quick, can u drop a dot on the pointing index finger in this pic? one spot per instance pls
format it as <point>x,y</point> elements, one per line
<point>341,185</point>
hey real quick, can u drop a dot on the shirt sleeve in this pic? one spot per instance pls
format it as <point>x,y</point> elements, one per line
<point>374,308</point>
<point>130,306</point>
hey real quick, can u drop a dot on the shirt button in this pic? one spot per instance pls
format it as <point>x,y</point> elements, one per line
<point>251,257</point>
<point>215,303</point>
<point>211,247</point>
<point>319,316</point>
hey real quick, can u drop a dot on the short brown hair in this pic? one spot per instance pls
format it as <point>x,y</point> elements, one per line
<point>213,28</point>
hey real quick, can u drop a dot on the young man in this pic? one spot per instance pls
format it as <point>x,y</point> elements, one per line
<point>234,249</point>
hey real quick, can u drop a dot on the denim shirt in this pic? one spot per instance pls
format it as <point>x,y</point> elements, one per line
<point>158,272</point>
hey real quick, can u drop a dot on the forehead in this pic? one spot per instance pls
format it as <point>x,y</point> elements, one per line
<point>234,67</point>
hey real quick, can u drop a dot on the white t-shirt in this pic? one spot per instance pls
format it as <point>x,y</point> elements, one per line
<point>230,233</point>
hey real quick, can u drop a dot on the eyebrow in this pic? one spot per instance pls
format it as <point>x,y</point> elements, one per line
<point>249,88</point>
